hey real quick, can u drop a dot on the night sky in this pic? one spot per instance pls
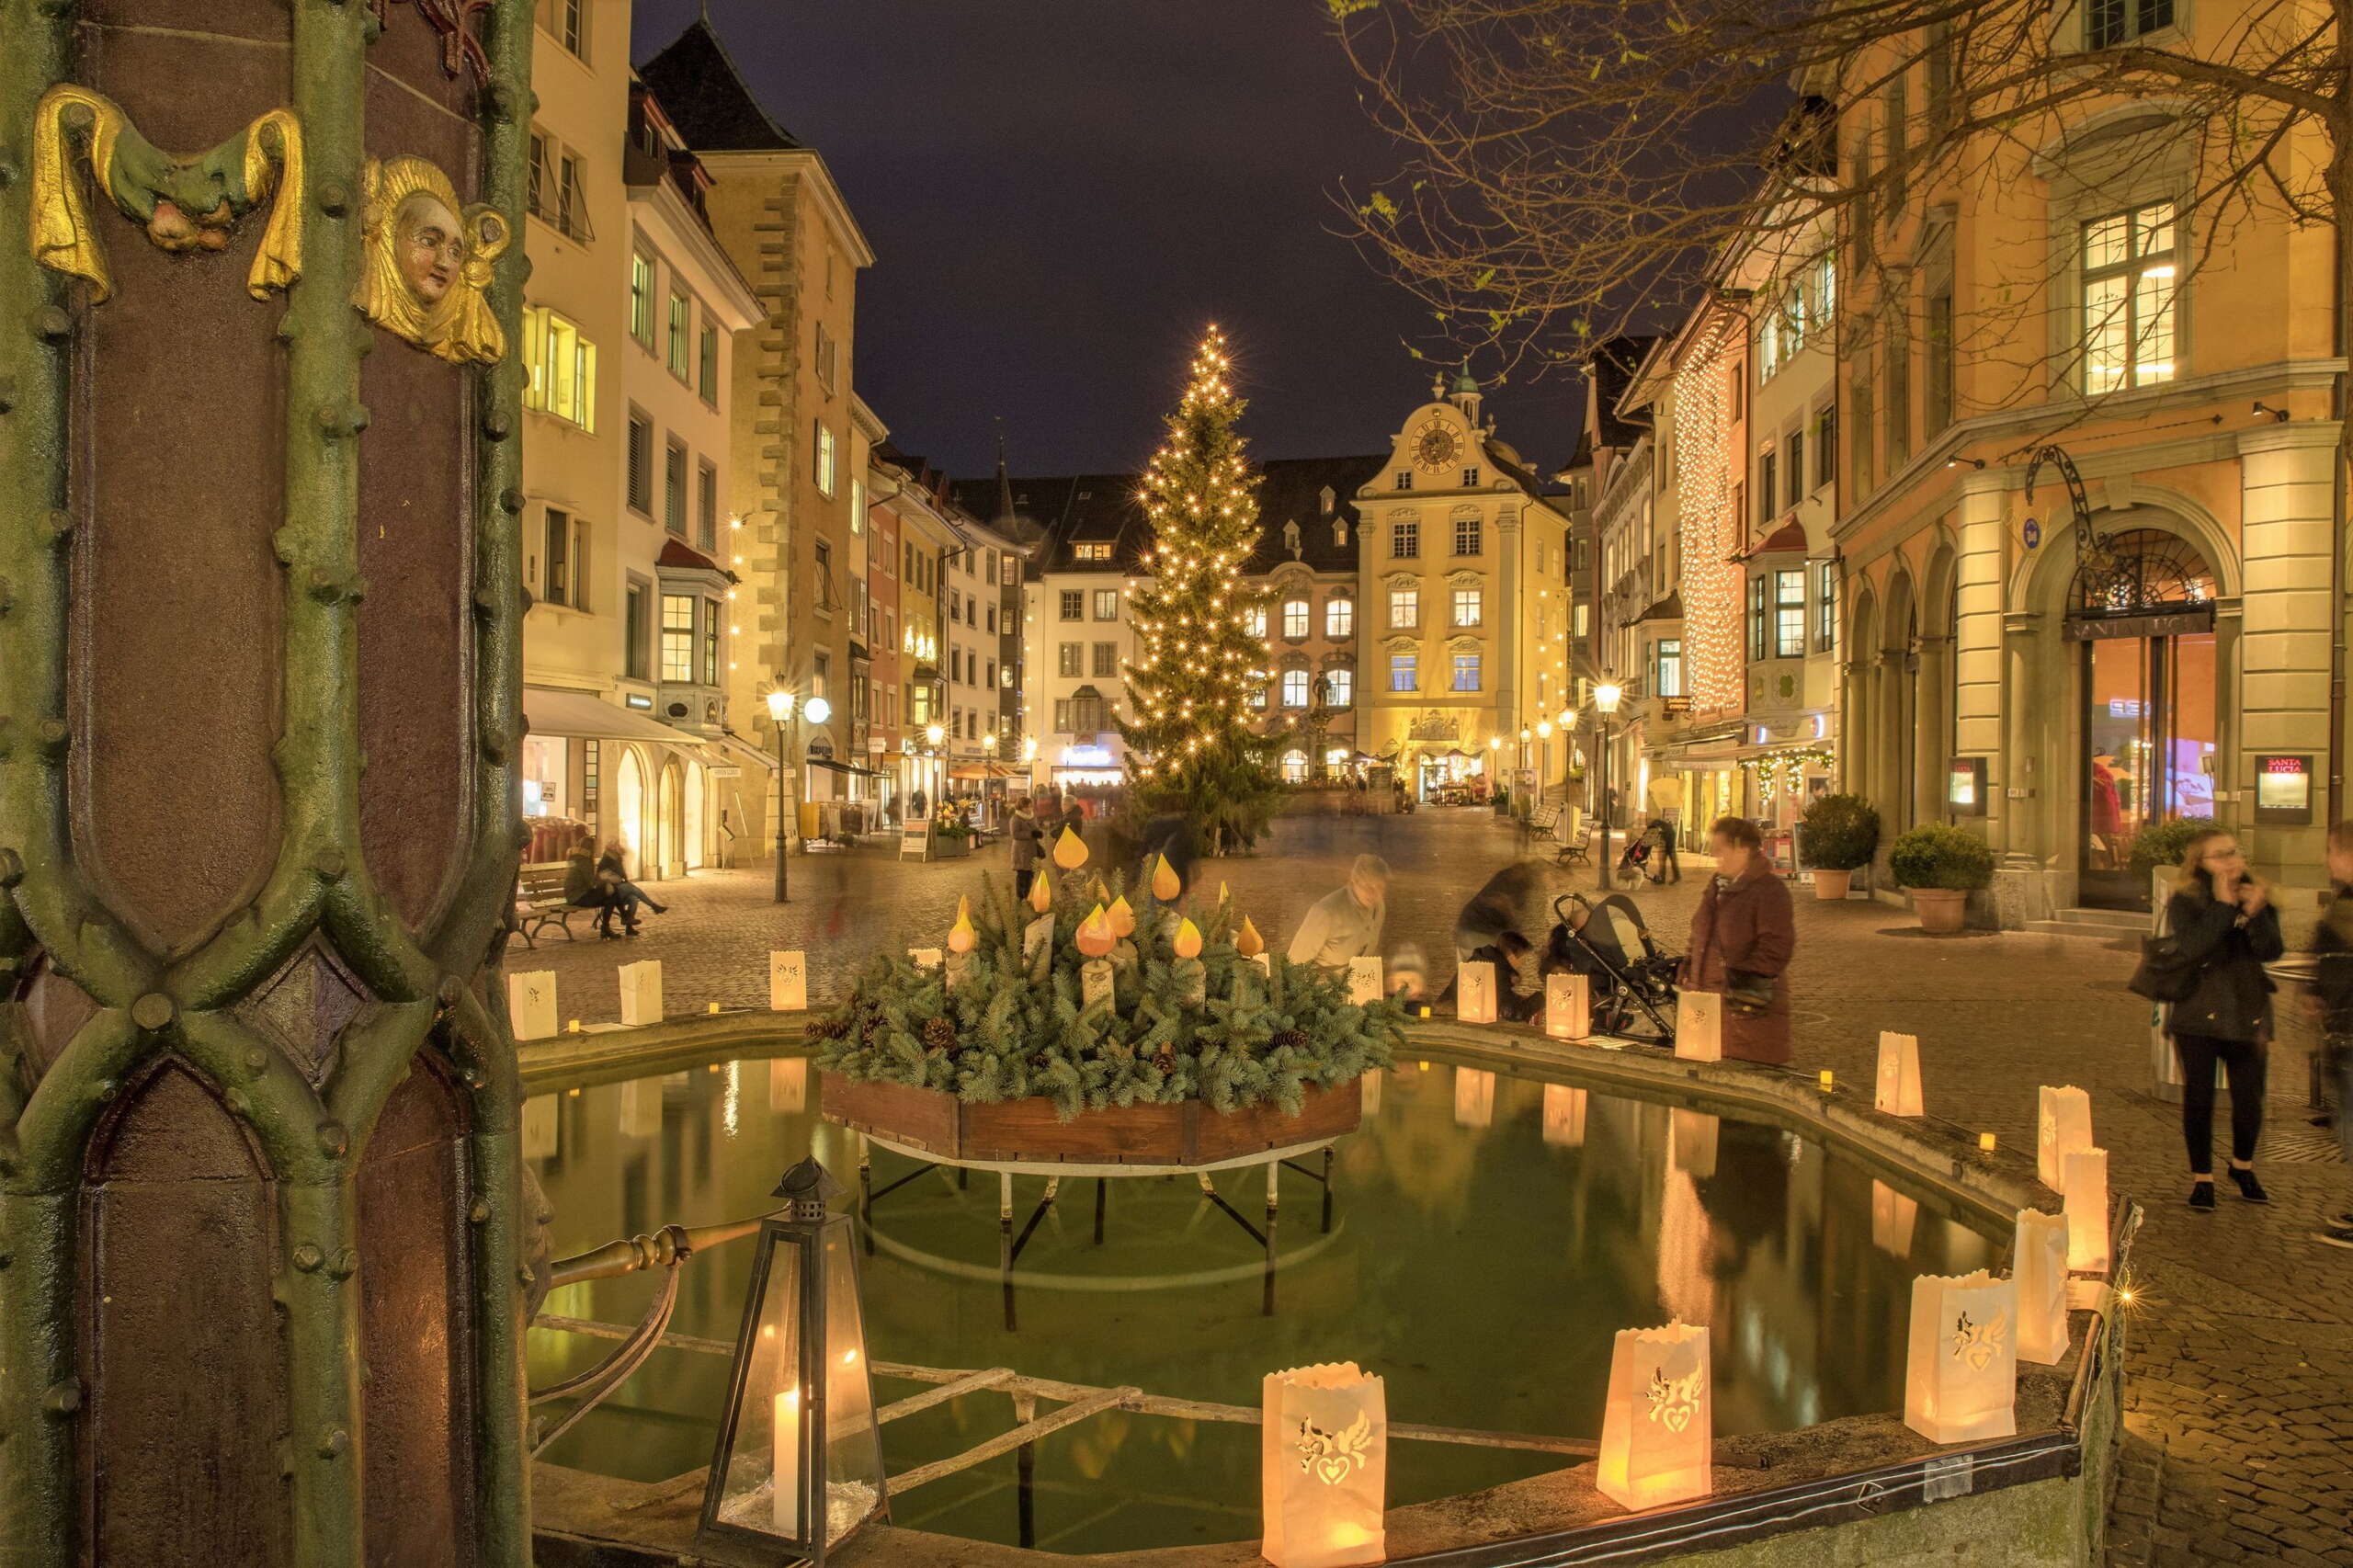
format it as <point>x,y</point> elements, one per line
<point>1060,193</point>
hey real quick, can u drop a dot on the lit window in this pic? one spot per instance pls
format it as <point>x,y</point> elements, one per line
<point>1788,614</point>
<point>1340,619</point>
<point>1826,613</point>
<point>1295,618</point>
<point>1466,536</point>
<point>1466,606</point>
<point>1343,686</point>
<point>1404,671</point>
<point>1294,688</point>
<point>677,638</point>
<point>1667,661</point>
<point>1405,539</point>
<point>1107,604</point>
<point>681,335</point>
<point>1404,609</point>
<point>1254,623</point>
<point>1294,766</point>
<point>2129,278</point>
<point>1091,550</point>
<point>640,299</point>
<point>563,368</point>
<point>1466,672</point>
<point>824,460</point>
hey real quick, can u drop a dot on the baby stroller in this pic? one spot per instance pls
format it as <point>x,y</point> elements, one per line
<point>1645,857</point>
<point>1630,976</point>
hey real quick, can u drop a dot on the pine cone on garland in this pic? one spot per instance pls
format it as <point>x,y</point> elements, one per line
<point>828,1028</point>
<point>938,1034</point>
<point>1290,1039</point>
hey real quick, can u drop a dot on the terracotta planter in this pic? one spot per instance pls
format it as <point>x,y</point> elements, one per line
<point>1832,884</point>
<point>1186,1133</point>
<point>1940,909</point>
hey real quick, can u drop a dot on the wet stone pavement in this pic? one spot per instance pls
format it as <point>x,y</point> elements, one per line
<point>2239,1445</point>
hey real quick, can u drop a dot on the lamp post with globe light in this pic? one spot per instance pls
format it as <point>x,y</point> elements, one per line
<point>785,711</point>
<point>1605,703</point>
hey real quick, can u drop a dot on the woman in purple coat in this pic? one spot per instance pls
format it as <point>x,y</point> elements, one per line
<point>1742,937</point>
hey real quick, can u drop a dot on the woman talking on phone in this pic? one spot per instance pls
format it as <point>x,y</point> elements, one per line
<point>2221,916</point>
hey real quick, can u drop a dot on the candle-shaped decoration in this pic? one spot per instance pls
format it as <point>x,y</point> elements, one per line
<point>1898,1092</point>
<point>788,1462</point>
<point>961,937</point>
<point>1188,941</point>
<point>1041,892</point>
<point>1961,1371</point>
<point>1095,935</point>
<point>1070,851</point>
<point>1247,942</point>
<point>1225,895</point>
<point>1165,883</point>
<point>1658,1429</point>
<point>1122,917</point>
<point>2087,1211</point>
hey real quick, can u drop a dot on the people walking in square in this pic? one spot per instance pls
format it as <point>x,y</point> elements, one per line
<point>2222,918</point>
<point>2332,988</point>
<point>1743,937</point>
<point>1347,922</point>
<point>1024,836</point>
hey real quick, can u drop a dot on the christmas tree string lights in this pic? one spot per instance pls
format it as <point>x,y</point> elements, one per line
<point>1190,686</point>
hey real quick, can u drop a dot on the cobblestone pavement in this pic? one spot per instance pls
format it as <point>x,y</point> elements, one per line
<point>2239,1442</point>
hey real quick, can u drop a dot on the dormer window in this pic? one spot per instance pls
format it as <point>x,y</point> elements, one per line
<point>1327,499</point>
<point>1339,531</point>
<point>1291,540</point>
<point>1092,550</point>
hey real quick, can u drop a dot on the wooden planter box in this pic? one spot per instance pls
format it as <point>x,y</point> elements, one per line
<point>1188,1133</point>
<point>945,847</point>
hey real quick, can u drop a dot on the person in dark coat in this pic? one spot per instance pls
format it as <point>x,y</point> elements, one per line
<point>2222,916</point>
<point>1169,835</point>
<point>2332,987</point>
<point>1743,936</point>
<point>620,893</point>
<point>1519,987</point>
<point>1024,837</point>
<point>582,887</point>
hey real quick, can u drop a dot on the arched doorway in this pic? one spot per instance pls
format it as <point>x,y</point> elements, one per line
<point>697,784</point>
<point>668,821</point>
<point>2140,613</point>
<point>629,809</point>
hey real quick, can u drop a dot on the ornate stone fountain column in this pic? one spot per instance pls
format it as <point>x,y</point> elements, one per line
<point>260,619</point>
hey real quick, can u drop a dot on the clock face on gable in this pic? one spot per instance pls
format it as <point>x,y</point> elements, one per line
<point>1436,446</point>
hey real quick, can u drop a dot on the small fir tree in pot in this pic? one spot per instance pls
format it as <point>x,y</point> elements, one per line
<point>1190,746</point>
<point>1839,836</point>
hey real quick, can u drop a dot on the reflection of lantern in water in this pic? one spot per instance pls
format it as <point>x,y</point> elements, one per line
<point>1564,1109</point>
<point>1070,851</point>
<point>1893,1219</point>
<point>788,1085</point>
<point>1474,1097</point>
<point>794,1475</point>
<point>1658,1428</point>
<point>1324,1447</point>
<point>1371,1084</point>
<point>540,1124</point>
<point>1961,1369</point>
<point>1694,1135</point>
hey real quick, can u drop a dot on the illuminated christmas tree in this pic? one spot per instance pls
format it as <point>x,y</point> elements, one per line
<point>1197,668</point>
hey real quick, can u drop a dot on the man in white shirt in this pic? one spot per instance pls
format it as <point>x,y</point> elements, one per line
<point>1345,923</point>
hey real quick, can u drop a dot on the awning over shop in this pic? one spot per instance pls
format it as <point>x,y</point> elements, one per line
<point>579,716</point>
<point>736,749</point>
<point>830,765</point>
<point>980,770</point>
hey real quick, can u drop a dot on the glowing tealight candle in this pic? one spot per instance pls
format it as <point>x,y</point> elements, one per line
<point>1985,1142</point>
<point>787,1467</point>
<point>574,1025</point>
<point>714,1008</point>
<point>1829,1081</point>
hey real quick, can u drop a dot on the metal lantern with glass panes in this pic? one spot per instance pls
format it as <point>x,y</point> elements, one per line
<point>800,1460</point>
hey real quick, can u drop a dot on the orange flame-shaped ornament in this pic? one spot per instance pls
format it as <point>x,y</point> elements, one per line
<point>1123,919</point>
<point>961,937</point>
<point>1042,893</point>
<point>1249,944</point>
<point>1070,851</point>
<point>1095,937</point>
<point>1165,884</point>
<point>1188,939</point>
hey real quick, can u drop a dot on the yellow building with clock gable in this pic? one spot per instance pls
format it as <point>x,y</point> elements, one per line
<point>1461,559</point>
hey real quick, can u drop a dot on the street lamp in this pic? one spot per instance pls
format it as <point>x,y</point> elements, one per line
<point>1604,702</point>
<point>782,706</point>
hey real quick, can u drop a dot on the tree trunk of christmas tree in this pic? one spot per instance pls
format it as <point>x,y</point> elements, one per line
<point>260,615</point>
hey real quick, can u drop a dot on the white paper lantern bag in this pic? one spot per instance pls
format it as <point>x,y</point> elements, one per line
<point>1699,1026</point>
<point>1658,1430</point>
<point>1961,1373</point>
<point>1364,980</point>
<point>641,994</point>
<point>530,1004</point>
<point>2087,1192</point>
<point>1899,1074</point>
<point>2039,1265</point>
<point>788,982</point>
<point>2064,1123</point>
<point>1474,993</point>
<point>1568,1007</point>
<point>1324,1453</point>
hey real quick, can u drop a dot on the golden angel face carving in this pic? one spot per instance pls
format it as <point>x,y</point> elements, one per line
<point>427,262</point>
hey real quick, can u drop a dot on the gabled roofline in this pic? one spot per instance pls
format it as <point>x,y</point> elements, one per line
<point>830,200</point>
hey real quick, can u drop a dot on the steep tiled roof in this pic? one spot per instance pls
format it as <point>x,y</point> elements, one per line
<point>707,97</point>
<point>1613,365</point>
<point>1290,490</point>
<point>1069,509</point>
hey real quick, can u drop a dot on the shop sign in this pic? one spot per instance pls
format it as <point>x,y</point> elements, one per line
<point>2283,791</point>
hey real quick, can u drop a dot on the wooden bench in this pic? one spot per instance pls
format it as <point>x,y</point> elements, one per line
<point>1546,820</point>
<point>539,902</point>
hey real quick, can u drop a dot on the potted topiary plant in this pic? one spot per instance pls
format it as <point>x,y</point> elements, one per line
<point>2163,841</point>
<point>1940,865</point>
<point>1837,836</point>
